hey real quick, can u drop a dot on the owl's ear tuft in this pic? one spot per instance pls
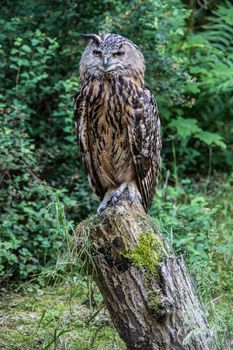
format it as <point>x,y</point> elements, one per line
<point>95,37</point>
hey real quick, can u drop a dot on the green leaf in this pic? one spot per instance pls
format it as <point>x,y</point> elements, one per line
<point>211,138</point>
<point>185,127</point>
<point>26,48</point>
<point>191,88</point>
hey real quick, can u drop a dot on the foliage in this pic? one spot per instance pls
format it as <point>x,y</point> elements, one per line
<point>39,157</point>
<point>198,224</point>
<point>211,62</point>
<point>188,70</point>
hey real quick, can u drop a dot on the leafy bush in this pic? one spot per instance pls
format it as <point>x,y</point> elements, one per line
<point>39,157</point>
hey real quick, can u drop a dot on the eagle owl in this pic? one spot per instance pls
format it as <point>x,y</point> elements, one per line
<point>117,122</point>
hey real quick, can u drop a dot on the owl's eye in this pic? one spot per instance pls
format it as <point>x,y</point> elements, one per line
<point>97,52</point>
<point>119,53</point>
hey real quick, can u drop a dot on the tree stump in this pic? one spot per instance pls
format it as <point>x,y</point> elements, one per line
<point>147,291</point>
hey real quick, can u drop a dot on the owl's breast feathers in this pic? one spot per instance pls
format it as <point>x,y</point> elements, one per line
<point>119,134</point>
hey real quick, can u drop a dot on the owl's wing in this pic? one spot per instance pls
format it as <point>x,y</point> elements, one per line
<point>145,143</point>
<point>82,133</point>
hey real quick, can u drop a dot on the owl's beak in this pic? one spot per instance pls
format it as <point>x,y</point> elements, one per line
<point>105,62</point>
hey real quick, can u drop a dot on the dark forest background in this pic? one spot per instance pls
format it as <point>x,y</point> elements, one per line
<point>188,46</point>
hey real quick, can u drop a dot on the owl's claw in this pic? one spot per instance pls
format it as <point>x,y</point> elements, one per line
<point>134,197</point>
<point>115,196</point>
<point>102,207</point>
<point>113,199</point>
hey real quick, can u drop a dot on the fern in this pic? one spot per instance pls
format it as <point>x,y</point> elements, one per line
<point>218,81</point>
<point>212,66</point>
<point>219,30</point>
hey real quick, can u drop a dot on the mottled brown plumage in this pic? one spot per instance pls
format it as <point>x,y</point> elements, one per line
<point>117,121</point>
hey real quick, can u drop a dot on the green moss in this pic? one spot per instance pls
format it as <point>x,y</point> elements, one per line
<point>153,299</point>
<point>148,253</point>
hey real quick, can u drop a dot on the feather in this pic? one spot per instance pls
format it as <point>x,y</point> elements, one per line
<point>95,37</point>
<point>145,143</point>
<point>82,132</point>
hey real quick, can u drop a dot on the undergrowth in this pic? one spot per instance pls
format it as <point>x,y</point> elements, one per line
<point>196,219</point>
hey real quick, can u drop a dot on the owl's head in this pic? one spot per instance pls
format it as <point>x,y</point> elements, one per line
<point>111,55</point>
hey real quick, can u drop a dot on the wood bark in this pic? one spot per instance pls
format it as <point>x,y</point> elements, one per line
<point>152,307</point>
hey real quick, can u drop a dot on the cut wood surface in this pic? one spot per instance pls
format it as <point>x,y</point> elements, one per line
<point>146,288</point>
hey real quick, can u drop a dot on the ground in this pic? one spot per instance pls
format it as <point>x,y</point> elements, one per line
<point>34,318</point>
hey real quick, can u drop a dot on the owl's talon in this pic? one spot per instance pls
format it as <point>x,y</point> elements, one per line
<point>102,207</point>
<point>111,201</point>
<point>115,195</point>
<point>134,197</point>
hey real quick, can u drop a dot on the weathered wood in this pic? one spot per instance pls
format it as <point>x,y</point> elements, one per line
<point>150,297</point>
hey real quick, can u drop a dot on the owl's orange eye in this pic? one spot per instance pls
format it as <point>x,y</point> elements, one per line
<point>119,53</point>
<point>97,52</point>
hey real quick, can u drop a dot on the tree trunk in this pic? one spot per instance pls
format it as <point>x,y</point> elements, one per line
<point>147,290</point>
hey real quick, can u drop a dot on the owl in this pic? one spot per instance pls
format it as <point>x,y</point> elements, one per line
<point>117,122</point>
